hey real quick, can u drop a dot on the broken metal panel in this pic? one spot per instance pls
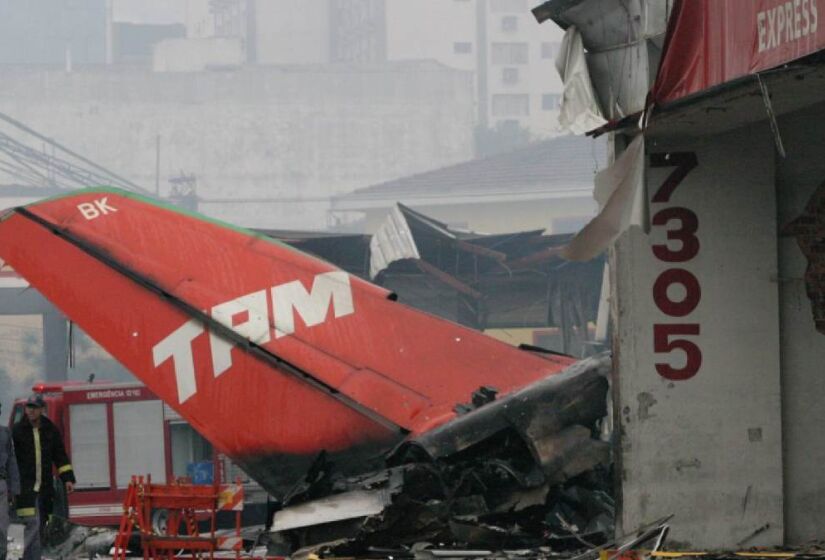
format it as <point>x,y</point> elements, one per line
<point>350,252</point>
<point>424,225</point>
<point>569,453</point>
<point>624,94</point>
<point>517,300</point>
<point>603,23</point>
<point>392,242</point>
<point>580,111</point>
<point>448,279</point>
<point>574,397</point>
<point>623,39</point>
<point>423,292</point>
<point>349,505</point>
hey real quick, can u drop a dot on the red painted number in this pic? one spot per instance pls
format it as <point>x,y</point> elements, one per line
<point>663,344</point>
<point>693,293</point>
<point>684,162</point>
<point>681,225</point>
<point>685,234</point>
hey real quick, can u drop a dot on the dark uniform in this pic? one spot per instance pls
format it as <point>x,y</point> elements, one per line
<point>39,452</point>
<point>9,484</point>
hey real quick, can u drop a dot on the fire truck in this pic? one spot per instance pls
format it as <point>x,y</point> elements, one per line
<point>115,430</point>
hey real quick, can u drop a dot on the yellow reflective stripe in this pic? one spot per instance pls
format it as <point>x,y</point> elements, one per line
<point>26,512</point>
<point>38,465</point>
<point>64,469</point>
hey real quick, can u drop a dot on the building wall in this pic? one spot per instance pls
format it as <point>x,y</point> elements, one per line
<point>513,55</point>
<point>518,84</point>
<point>52,32</point>
<point>516,64</point>
<point>197,55</point>
<point>292,31</point>
<point>277,142</point>
<point>803,348</point>
<point>433,29</point>
<point>705,446</point>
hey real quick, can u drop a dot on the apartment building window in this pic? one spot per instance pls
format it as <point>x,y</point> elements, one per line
<point>509,75</point>
<point>462,48</point>
<point>549,50</point>
<point>509,23</point>
<point>518,6</point>
<point>550,101</point>
<point>511,105</point>
<point>509,53</point>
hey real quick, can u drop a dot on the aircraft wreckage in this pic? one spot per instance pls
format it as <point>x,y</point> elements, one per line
<point>363,417</point>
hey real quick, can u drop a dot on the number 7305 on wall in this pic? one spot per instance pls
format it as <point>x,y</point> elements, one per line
<point>681,225</point>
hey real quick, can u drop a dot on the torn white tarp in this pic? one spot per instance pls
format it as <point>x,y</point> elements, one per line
<point>621,197</point>
<point>392,242</point>
<point>580,111</point>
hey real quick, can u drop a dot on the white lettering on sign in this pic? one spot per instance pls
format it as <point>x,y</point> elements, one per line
<point>248,316</point>
<point>112,394</point>
<point>96,208</point>
<point>786,22</point>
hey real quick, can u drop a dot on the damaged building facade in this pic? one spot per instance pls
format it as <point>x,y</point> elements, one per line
<point>716,282</point>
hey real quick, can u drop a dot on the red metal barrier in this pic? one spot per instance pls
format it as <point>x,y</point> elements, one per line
<point>187,505</point>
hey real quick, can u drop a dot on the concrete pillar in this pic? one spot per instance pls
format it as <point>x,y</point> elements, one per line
<point>803,348</point>
<point>697,349</point>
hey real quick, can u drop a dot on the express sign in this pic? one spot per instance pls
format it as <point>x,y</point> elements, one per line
<point>710,42</point>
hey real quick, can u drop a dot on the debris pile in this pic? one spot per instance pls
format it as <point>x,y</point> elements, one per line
<point>521,471</point>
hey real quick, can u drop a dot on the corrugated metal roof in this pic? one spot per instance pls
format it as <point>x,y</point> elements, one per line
<point>565,162</point>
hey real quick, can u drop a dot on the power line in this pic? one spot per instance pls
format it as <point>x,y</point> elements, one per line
<point>37,168</point>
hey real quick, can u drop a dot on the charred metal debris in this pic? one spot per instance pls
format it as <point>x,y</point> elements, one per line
<point>530,469</point>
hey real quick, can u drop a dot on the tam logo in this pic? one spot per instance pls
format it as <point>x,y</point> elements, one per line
<point>248,316</point>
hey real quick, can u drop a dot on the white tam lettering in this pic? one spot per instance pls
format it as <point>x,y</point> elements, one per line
<point>178,346</point>
<point>329,288</point>
<point>221,353</point>
<point>253,324</point>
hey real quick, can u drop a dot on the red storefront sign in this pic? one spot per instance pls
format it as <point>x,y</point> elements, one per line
<point>710,42</point>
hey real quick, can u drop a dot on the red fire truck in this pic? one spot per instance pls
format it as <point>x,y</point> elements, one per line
<point>115,430</point>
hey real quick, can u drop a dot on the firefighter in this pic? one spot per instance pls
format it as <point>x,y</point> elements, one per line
<point>40,450</point>
<point>9,485</point>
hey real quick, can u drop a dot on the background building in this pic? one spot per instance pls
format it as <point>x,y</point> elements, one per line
<point>498,40</point>
<point>546,185</point>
